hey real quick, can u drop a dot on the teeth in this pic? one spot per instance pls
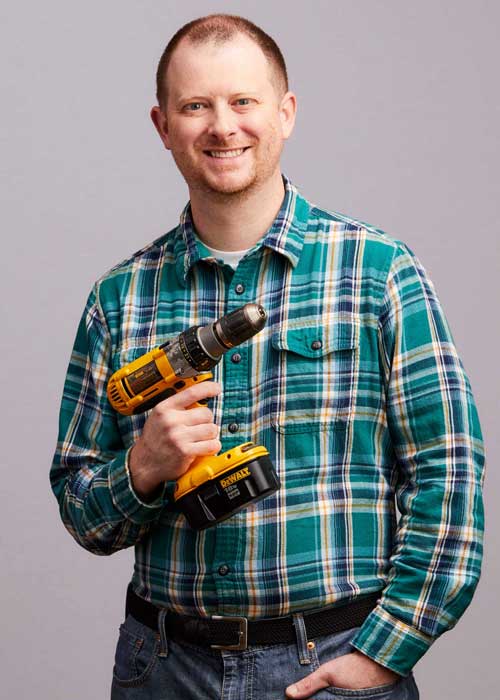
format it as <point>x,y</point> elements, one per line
<point>226,154</point>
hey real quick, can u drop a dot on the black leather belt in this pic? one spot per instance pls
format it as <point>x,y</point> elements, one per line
<point>233,632</point>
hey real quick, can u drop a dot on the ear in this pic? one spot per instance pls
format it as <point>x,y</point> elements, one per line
<point>288,110</point>
<point>160,121</point>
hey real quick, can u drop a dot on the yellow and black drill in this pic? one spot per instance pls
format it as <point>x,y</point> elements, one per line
<point>214,487</point>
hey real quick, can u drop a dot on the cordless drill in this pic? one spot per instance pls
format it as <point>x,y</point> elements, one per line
<point>214,487</point>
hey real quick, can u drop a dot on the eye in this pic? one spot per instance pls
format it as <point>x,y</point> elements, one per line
<point>243,101</point>
<point>193,106</point>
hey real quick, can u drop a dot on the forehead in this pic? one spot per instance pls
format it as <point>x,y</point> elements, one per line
<point>238,65</point>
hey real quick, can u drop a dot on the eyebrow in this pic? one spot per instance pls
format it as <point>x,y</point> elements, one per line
<point>199,98</point>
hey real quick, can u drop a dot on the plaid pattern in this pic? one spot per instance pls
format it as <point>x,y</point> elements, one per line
<point>378,411</point>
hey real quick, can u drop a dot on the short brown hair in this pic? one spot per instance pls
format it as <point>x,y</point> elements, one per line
<point>221,28</point>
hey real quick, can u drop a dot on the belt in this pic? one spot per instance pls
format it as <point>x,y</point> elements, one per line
<point>234,632</point>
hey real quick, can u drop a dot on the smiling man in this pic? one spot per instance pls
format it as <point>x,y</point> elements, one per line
<point>354,386</point>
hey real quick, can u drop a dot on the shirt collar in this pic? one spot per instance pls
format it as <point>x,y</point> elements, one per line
<point>285,235</point>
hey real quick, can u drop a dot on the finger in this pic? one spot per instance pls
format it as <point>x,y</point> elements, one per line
<point>195,416</point>
<point>204,431</point>
<point>205,448</point>
<point>184,399</point>
<point>309,685</point>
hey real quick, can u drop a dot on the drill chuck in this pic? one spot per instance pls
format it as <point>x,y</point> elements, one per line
<point>233,329</point>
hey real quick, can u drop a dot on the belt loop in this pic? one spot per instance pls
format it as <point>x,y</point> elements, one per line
<point>163,633</point>
<point>300,632</point>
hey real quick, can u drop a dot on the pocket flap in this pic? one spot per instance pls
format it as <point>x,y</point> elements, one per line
<point>318,340</point>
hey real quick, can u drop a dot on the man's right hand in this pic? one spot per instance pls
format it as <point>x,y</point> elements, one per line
<point>173,436</point>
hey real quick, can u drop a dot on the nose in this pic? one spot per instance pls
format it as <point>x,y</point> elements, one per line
<point>222,124</point>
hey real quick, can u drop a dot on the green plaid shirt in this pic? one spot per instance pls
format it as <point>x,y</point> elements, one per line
<point>355,388</point>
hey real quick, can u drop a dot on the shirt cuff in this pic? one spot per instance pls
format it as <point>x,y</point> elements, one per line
<point>126,499</point>
<point>390,642</point>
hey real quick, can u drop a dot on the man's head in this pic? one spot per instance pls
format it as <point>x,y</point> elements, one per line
<point>222,86</point>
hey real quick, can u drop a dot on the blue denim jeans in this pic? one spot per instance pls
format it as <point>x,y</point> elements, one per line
<point>148,665</point>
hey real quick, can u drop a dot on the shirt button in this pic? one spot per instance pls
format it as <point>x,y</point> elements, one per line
<point>317,345</point>
<point>236,357</point>
<point>233,427</point>
<point>223,570</point>
<point>239,289</point>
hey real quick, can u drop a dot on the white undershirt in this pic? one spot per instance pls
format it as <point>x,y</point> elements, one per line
<point>230,257</point>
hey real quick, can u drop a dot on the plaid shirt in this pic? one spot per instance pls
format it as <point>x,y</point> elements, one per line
<point>355,388</point>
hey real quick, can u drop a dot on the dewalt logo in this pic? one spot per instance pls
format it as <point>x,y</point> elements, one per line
<point>241,474</point>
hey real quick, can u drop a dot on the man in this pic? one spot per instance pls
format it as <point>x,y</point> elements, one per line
<point>354,386</point>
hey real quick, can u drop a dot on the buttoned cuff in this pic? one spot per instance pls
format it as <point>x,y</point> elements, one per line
<point>390,642</point>
<point>124,496</point>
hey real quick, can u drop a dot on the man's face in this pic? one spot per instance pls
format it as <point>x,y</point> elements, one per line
<point>225,122</point>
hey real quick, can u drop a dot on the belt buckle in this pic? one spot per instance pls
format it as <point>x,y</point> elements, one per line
<point>242,633</point>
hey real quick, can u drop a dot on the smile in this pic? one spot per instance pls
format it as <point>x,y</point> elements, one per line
<point>235,153</point>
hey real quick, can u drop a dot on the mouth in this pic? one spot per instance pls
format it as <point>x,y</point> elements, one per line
<point>226,154</point>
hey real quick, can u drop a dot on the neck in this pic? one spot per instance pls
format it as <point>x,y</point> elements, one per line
<point>236,221</point>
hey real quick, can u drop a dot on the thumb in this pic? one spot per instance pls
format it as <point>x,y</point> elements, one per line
<point>309,685</point>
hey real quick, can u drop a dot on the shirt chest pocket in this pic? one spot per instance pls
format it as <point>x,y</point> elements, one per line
<point>315,379</point>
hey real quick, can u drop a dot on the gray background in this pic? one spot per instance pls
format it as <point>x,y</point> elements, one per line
<point>397,125</point>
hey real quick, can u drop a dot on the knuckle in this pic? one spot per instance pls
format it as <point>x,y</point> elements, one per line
<point>167,420</point>
<point>160,408</point>
<point>192,393</point>
<point>328,677</point>
<point>174,442</point>
<point>183,448</point>
<point>209,388</point>
<point>176,436</point>
<point>204,431</point>
<point>308,683</point>
<point>157,410</point>
<point>207,415</point>
<point>209,431</point>
<point>202,387</point>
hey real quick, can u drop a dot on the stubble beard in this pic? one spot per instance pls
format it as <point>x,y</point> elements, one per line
<point>263,168</point>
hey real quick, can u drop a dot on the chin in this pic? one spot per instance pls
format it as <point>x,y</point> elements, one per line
<point>230,185</point>
<point>231,189</point>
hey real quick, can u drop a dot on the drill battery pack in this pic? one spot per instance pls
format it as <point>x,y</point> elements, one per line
<point>215,488</point>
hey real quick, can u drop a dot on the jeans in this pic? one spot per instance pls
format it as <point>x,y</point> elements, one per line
<point>148,665</point>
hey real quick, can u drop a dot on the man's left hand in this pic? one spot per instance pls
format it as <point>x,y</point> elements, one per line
<point>352,671</point>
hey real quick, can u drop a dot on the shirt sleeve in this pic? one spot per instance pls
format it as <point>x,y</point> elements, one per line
<point>439,463</point>
<point>89,474</point>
